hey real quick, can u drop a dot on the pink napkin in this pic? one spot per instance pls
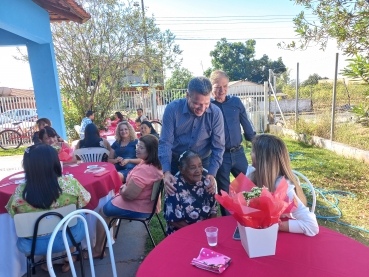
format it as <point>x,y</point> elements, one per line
<point>211,261</point>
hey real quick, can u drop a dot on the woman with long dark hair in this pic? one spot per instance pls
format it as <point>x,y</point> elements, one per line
<point>134,198</point>
<point>49,136</point>
<point>46,189</point>
<point>146,128</point>
<point>92,139</point>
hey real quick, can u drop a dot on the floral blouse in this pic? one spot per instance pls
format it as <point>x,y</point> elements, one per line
<point>73,193</point>
<point>191,203</point>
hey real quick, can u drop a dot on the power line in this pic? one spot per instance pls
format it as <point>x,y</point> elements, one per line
<point>242,16</point>
<point>228,29</point>
<point>228,39</point>
<point>222,20</point>
<point>222,23</point>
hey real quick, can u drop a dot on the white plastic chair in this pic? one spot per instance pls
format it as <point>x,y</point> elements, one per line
<point>77,128</point>
<point>63,223</point>
<point>93,154</point>
<point>299,175</point>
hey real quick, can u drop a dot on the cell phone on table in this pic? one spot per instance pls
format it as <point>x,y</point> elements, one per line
<point>236,234</point>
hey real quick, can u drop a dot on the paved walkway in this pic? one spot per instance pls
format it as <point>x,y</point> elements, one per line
<point>128,250</point>
<point>10,165</point>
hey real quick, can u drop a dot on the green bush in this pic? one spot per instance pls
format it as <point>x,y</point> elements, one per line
<point>320,127</point>
<point>71,118</point>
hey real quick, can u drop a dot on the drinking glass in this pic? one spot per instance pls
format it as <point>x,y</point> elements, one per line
<point>212,235</point>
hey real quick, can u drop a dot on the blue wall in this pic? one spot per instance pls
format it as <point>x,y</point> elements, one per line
<point>22,22</point>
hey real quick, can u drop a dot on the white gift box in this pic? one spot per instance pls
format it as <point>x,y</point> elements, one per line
<point>259,242</point>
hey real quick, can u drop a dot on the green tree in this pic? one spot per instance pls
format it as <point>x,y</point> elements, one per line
<point>237,59</point>
<point>358,68</point>
<point>344,20</point>
<point>93,58</point>
<point>312,80</point>
<point>179,79</point>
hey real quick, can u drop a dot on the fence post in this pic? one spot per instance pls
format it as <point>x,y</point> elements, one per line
<point>297,97</point>
<point>266,111</point>
<point>334,98</point>
<point>154,104</point>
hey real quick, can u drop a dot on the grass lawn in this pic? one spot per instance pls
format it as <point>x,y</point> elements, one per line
<point>13,152</point>
<point>325,170</point>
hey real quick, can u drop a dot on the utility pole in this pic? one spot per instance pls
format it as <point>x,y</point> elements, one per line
<point>144,21</point>
<point>334,98</point>
<point>297,96</point>
<point>136,4</point>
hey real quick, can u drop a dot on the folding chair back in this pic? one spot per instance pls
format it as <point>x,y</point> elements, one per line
<point>24,223</point>
<point>39,223</point>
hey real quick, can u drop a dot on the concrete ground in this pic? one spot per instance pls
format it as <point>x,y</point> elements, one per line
<point>10,165</point>
<point>128,249</point>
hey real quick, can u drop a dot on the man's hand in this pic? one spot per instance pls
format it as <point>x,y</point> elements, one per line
<point>211,188</point>
<point>169,180</point>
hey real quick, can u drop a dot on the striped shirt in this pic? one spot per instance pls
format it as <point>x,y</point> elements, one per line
<point>182,130</point>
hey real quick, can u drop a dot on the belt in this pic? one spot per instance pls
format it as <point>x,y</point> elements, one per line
<point>233,149</point>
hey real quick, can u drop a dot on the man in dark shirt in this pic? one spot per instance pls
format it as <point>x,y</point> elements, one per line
<point>234,114</point>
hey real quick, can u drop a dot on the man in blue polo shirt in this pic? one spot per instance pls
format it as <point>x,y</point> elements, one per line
<point>192,123</point>
<point>234,113</point>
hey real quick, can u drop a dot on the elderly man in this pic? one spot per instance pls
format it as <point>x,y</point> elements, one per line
<point>234,113</point>
<point>192,123</point>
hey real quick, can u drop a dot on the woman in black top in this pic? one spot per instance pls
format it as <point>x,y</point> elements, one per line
<point>92,139</point>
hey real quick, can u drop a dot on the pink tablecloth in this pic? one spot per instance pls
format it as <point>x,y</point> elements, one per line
<point>327,254</point>
<point>98,187</point>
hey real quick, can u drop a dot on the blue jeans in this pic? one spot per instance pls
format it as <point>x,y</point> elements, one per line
<point>111,211</point>
<point>174,164</point>
<point>25,244</point>
<point>234,163</point>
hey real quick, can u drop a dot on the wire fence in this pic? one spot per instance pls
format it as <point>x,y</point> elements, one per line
<point>314,110</point>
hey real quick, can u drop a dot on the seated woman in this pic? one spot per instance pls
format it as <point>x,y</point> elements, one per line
<point>270,162</point>
<point>46,189</point>
<point>134,198</point>
<point>49,136</point>
<point>147,128</point>
<point>118,118</point>
<point>41,123</point>
<point>191,202</point>
<point>124,155</point>
<point>92,139</point>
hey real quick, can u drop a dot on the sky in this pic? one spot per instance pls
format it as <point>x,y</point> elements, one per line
<point>199,24</point>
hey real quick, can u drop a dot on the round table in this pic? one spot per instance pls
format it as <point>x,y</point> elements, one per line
<point>327,254</point>
<point>98,187</point>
